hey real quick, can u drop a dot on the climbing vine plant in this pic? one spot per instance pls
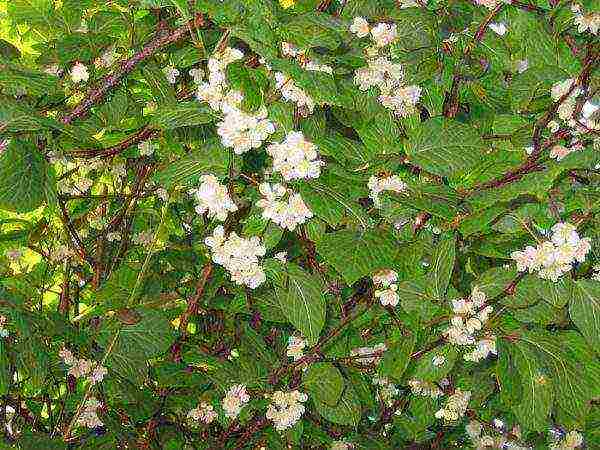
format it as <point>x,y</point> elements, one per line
<point>261,224</point>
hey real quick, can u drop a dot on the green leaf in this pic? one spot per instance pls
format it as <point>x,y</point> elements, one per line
<point>136,344</point>
<point>426,370</point>
<point>302,302</point>
<point>213,159</point>
<point>325,382</point>
<point>442,264</point>
<point>395,360</point>
<point>572,386</point>
<point>535,403</point>
<point>445,147</point>
<point>356,254</point>
<point>25,179</point>
<point>346,412</point>
<point>313,29</point>
<point>4,368</point>
<point>584,309</point>
<point>184,114</point>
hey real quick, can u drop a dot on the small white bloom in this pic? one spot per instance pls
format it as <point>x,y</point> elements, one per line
<point>204,413</point>
<point>234,400</point>
<point>286,409</point>
<point>213,197</point>
<point>295,348</point>
<point>384,34</point>
<point>171,74</point>
<point>498,27</point>
<point>146,148</point>
<point>79,73</point>
<point>360,27</point>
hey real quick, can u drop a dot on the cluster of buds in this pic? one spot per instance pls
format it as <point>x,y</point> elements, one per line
<point>551,259</point>
<point>470,316</point>
<point>385,282</point>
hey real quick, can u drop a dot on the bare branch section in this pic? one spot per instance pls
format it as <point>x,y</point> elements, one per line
<point>96,94</point>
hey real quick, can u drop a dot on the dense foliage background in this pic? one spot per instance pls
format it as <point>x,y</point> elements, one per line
<point>155,293</point>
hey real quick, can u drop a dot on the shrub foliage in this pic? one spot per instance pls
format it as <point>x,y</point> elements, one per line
<point>337,224</point>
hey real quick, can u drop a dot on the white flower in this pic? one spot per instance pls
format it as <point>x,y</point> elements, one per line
<point>369,355</point>
<point>587,22</point>
<point>289,50</point>
<point>340,445</point>
<point>197,74</point>
<point>438,360</point>
<point>146,148</point>
<point>389,296</point>
<point>234,400</point>
<point>286,409</point>
<point>204,413</point>
<point>240,130</point>
<point>211,93</point>
<point>561,89</point>
<point>551,259</point>
<point>295,157</point>
<point>386,391</point>
<point>455,407</point>
<point>292,93</point>
<point>498,27</point>
<point>144,238</point>
<point>113,236</point>
<point>385,277</point>
<point>295,347</point>
<point>79,73</point>
<point>67,357</point>
<point>377,185</point>
<point>213,197</point>
<point>573,439</point>
<point>14,254</point>
<point>89,415</point>
<point>424,388</point>
<point>286,213</point>
<point>360,27</point>
<point>171,74</point>
<point>81,368</point>
<point>107,58</point>
<point>384,34</point>
<point>97,374</point>
<point>238,256</point>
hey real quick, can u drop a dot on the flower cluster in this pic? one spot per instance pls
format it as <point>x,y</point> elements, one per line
<point>80,368</point>
<point>204,413</point>
<point>295,347</point>
<point>470,315</point>
<point>491,4</point>
<point>89,414</point>
<point>551,259</point>
<point>238,130</point>
<point>213,197</point>
<point>377,185</point>
<point>79,73</point>
<point>234,400</point>
<point>588,21</point>
<point>482,441</point>
<point>369,355</point>
<point>382,73</point>
<point>387,390</point>
<point>295,157</point>
<point>385,282</point>
<point>286,408</point>
<point>146,148</point>
<point>578,121</point>
<point>239,256</point>
<point>424,388</point>
<point>286,213</point>
<point>171,74</point>
<point>455,407</point>
<point>292,93</point>
<point>569,441</point>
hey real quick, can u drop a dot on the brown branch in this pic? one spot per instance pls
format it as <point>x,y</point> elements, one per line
<point>450,106</point>
<point>75,239</point>
<point>194,301</point>
<point>109,82</point>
